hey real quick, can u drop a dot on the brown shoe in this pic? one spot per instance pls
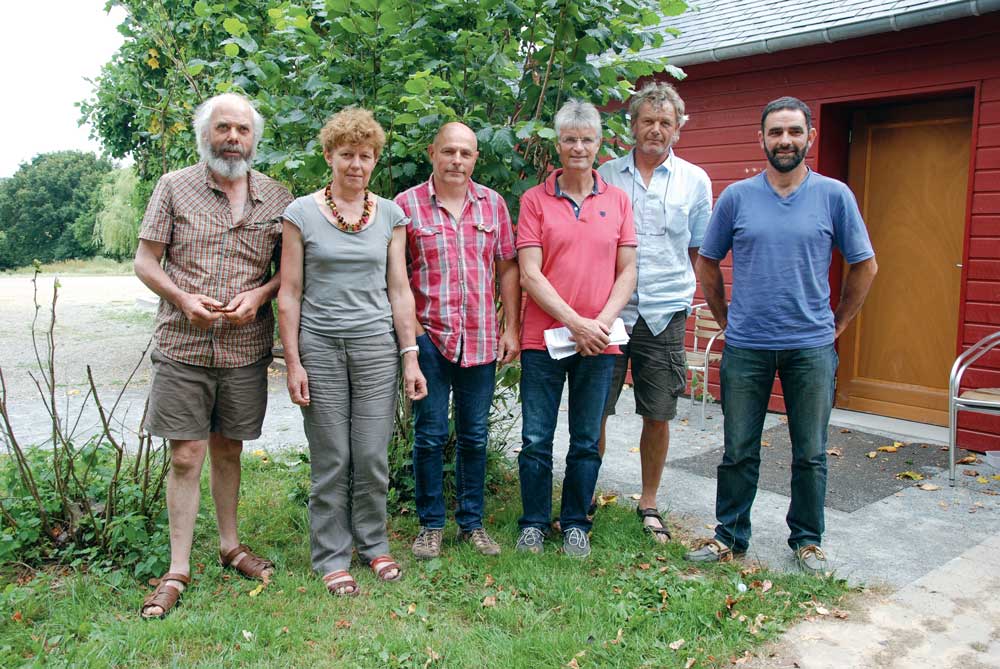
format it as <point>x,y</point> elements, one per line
<point>165,597</point>
<point>427,545</point>
<point>481,540</point>
<point>250,565</point>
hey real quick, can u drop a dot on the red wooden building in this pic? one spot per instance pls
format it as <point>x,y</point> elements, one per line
<point>906,98</point>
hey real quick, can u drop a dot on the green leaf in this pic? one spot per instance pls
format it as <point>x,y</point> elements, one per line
<point>231,50</point>
<point>202,9</point>
<point>673,7</point>
<point>547,133</point>
<point>404,119</point>
<point>234,26</point>
<point>415,86</point>
<point>194,69</point>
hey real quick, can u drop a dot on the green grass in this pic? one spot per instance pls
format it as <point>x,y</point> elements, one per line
<point>96,265</point>
<point>623,607</point>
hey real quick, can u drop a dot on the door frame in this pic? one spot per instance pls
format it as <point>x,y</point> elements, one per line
<point>833,123</point>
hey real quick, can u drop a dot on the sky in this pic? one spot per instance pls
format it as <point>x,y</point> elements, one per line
<point>48,48</point>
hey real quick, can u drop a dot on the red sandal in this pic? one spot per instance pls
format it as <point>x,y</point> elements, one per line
<point>384,564</point>
<point>337,582</point>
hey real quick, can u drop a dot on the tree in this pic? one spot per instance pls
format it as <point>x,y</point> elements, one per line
<point>41,202</point>
<point>502,66</point>
<point>116,224</point>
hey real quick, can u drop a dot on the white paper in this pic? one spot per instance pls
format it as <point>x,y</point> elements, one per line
<point>559,344</point>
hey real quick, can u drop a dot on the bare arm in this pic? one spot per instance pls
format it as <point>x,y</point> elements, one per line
<point>710,277</point>
<point>289,311</point>
<point>693,255</point>
<point>590,334</point>
<point>201,310</point>
<point>625,278</point>
<point>510,296</point>
<point>404,316</point>
<point>856,286</point>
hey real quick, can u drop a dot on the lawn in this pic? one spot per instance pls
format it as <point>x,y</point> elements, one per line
<point>96,265</point>
<point>631,604</point>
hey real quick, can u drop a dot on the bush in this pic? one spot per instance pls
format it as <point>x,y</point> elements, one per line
<point>97,504</point>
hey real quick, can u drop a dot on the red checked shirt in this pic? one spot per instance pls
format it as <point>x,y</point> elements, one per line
<point>207,253</point>
<point>451,265</point>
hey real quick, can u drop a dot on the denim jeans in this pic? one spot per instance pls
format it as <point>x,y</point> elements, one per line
<point>807,382</point>
<point>542,380</point>
<point>473,391</point>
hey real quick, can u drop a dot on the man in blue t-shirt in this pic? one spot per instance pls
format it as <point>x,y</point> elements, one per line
<point>781,226</point>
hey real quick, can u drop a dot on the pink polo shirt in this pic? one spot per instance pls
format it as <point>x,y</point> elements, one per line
<point>579,250</point>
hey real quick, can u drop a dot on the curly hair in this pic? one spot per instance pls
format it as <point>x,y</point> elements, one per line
<point>353,125</point>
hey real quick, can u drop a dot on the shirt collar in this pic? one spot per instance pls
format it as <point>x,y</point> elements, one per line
<point>252,186</point>
<point>667,164</point>
<point>552,183</point>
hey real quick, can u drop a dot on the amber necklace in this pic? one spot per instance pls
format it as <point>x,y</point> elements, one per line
<point>339,219</point>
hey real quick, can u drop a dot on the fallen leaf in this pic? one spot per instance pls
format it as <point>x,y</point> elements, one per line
<point>248,635</point>
<point>929,487</point>
<point>432,657</point>
<point>256,591</point>
<point>17,617</point>
<point>967,460</point>
<point>887,449</point>
<point>765,443</point>
<point>898,444</point>
<point>643,566</point>
<point>411,609</point>
<point>676,645</point>
<point>765,586</point>
<point>822,610</point>
<point>970,472</point>
<point>300,589</point>
<point>636,496</point>
<point>343,624</point>
<point>604,500</point>
<point>909,476</point>
<point>982,479</point>
<point>995,477</point>
<point>842,615</point>
<point>489,580</point>
<point>871,455</point>
<point>284,630</point>
<point>844,430</point>
<point>690,663</point>
<point>835,452</point>
<point>489,601</point>
<point>634,449</point>
<point>618,639</point>
<point>572,664</point>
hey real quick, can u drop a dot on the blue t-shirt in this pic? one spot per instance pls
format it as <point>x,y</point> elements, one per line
<point>782,247</point>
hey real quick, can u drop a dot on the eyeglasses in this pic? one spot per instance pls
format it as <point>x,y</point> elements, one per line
<point>573,141</point>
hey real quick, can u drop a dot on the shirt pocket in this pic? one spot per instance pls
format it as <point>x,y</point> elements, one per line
<point>253,245</point>
<point>428,239</point>
<point>486,239</point>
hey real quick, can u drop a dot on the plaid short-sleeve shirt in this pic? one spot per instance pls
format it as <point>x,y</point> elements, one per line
<point>207,253</point>
<point>451,265</point>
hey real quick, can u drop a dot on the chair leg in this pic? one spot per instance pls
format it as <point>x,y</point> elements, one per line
<point>952,439</point>
<point>704,400</point>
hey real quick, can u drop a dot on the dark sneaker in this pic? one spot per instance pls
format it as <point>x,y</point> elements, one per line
<point>576,543</point>
<point>481,540</point>
<point>811,560</point>
<point>710,550</point>
<point>532,540</point>
<point>427,545</point>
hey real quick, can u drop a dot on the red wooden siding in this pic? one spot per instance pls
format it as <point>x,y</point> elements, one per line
<point>724,101</point>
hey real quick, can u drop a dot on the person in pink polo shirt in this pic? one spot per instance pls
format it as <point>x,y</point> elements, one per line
<point>577,253</point>
<point>459,242</point>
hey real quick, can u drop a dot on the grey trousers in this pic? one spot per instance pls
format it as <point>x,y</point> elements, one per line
<point>348,423</point>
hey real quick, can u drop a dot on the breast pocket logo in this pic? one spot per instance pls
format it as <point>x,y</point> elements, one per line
<point>604,214</point>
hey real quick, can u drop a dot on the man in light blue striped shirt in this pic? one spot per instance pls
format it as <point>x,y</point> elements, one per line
<point>672,203</point>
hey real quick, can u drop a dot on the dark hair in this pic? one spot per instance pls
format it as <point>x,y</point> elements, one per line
<point>787,102</point>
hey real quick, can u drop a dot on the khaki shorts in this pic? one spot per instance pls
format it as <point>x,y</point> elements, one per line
<point>187,402</point>
<point>659,369</point>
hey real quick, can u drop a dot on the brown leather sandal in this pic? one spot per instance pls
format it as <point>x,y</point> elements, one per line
<point>165,596</point>
<point>251,566</point>
<point>337,581</point>
<point>384,564</point>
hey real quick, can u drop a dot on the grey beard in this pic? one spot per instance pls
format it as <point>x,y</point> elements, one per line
<point>228,168</point>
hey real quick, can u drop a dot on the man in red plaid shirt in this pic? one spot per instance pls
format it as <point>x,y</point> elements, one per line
<point>459,241</point>
<point>207,241</point>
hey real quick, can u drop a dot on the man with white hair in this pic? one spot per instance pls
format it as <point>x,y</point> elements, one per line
<point>576,245</point>
<point>206,245</point>
<point>672,202</point>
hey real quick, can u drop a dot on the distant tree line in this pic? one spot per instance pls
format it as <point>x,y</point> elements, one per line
<point>67,204</point>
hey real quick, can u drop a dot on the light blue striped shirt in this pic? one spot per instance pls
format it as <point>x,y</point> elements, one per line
<point>671,216</point>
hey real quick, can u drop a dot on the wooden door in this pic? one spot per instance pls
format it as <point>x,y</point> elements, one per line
<point>908,167</point>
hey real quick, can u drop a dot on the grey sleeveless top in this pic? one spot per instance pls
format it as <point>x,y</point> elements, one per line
<point>344,274</point>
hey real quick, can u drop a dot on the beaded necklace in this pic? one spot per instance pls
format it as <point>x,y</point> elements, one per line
<point>339,219</point>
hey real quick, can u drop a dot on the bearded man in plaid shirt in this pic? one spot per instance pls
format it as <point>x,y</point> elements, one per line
<point>206,245</point>
<point>459,240</point>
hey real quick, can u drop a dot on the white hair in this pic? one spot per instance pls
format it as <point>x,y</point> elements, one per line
<point>578,114</point>
<point>202,116</point>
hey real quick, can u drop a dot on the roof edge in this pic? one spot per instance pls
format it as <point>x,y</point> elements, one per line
<point>885,24</point>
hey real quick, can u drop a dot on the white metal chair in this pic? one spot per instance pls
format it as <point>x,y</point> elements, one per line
<point>708,331</point>
<point>979,400</point>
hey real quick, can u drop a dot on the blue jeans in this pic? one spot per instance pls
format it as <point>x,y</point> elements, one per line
<point>542,380</point>
<point>807,381</point>
<point>473,390</point>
